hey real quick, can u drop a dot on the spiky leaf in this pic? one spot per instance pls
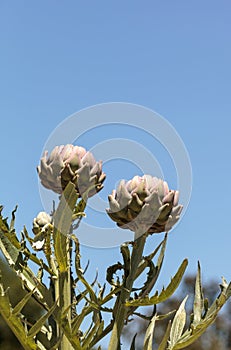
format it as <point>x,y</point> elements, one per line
<point>165,293</point>
<point>14,322</point>
<point>17,309</point>
<point>164,342</point>
<point>194,332</point>
<point>198,299</point>
<point>39,324</point>
<point>148,339</point>
<point>178,324</point>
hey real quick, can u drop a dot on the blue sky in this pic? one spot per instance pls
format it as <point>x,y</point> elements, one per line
<point>171,56</point>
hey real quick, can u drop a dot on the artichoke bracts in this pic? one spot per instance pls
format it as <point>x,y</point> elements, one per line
<point>144,204</point>
<point>71,163</point>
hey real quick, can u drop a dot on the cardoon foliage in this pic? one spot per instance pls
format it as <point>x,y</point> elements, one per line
<point>72,308</point>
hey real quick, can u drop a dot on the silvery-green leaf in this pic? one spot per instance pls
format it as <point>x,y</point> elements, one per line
<point>38,325</point>
<point>198,299</point>
<point>148,339</point>
<point>126,258</point>
<point>165,293</point>
<point>178,324</point>
<point>164,342</point>
<point>17,309</point>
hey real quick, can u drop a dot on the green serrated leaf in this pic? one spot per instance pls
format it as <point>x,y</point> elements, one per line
<point>145,261</point>
<point>32,256</point>
<point>126,258</point>
<point>114,291</point>
<point>38,325</point>
<point>217,304</point>
<point>164,343</point>
<point>164,316</point>
<point>10,234</point>
<point>150,277</point>
<point>111,270</point>
<point>91,334</point>
<point>228,291</point>
<point>162,252</point>
<point>97,334</point>
<point>11,253</point>
<point>191,335</point>
<point>148,339</point>
<point>80,275</point>
<point>77,321</point>
<point>3,222</point>
<point>198,299</point>
<point>62,225</point>
<point>14,322</point>
<point>101,291</point>
<point>72,337</point>
<point>165,293</point>
<point>30,282</point>
<point>17,309</point>
<point>65,312</point>
<point>13,218</point>
<point>178,324</point>
<point>158,266</point>
<point>196,330</point>
<point>15,260</point>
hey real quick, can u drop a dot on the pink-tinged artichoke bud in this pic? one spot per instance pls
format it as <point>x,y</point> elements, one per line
<point>71,163</point>
<point>144,204</point>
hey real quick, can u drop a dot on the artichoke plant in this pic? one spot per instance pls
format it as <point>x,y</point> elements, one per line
<point>74,164</point>
<point>144,204</point>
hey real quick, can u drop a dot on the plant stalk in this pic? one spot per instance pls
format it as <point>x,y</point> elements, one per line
<point>121,312</point>
<point>65,296</point>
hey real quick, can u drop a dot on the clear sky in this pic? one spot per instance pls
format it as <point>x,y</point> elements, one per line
<point>170,56</point>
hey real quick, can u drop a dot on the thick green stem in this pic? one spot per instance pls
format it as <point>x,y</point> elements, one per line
<point>63,219</point>
<point>65,296</point>
<point>121,312</point>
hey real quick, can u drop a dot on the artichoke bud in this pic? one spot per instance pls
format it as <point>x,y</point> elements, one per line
<point>74,164</point>
<point>41,222</point>
<point>144,204</point>
<point>40,226</point>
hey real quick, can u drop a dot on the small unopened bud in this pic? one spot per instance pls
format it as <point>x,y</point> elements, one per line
<point>40,222</point>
